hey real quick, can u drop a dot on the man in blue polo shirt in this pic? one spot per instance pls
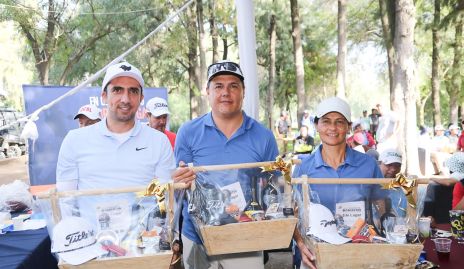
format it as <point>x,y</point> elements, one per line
<point>226,135</point>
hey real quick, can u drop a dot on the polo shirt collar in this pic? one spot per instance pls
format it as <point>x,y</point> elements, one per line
<point>247,121</point>
<point>101,125</point>
<point>349,157</point>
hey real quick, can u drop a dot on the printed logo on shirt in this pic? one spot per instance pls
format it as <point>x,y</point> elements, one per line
<point>139,149</point>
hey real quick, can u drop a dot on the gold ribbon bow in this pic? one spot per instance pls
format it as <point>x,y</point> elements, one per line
<point>406,185</point>
<point>282,165</point>
<point>158,190</point>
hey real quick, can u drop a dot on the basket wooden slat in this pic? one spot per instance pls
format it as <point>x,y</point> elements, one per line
<point>154,261</point>
<point>248,236</point>
<point>352,255</point>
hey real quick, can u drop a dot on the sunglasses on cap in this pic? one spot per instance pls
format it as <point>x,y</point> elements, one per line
<point>224,67</point>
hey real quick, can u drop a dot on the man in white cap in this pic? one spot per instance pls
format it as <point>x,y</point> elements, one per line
<point>157,113</point>
<point>390,162</point>
<point>88,115</point>
<point>453,137</point>
<point>118,151</point>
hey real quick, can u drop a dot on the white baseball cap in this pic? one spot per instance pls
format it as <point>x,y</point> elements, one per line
<point>334,104</point>
<point>453,127</point>
<point>439,127</point>
<point>90,111</point>
<point>323,226</point>
<point>390,156</point>
<point>123,69</point>
<point>74,241</point>
<point>455,164</point>
<point>157,106</point>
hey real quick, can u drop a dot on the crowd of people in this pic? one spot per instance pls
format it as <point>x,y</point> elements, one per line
<point>119,151</point>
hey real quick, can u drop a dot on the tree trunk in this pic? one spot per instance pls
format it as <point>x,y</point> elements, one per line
<point>213,30</point>
<point>202,67</point>
<point>421,106</point>
<point>404,82</point>
<point>298,57</point>
<point>387,17</point>
<point>272,69</point>
<point>455,88</point>
<point>436,65</point>
<point>194,80</point>
<point>341,57</point>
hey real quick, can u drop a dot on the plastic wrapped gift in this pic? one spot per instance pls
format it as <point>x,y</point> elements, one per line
<point>112,228</point>
<point>242,207</point>
<point>360,222</point>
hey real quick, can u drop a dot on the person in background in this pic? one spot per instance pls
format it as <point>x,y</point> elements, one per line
<point>460,146</point>
<point>453,137</point>
<point>157,113</point>
<point>367,140</point>
<point>88,115</point>
<point>335,159</point>
<point>456,166</point>
<point>365,121</point>
<point>308,121</point>
<point>282,126</point>
<point>440,149</point>
<point>304,143</point>
<point>226,135</point>
<point>374,122</point>
<point>390,162</point>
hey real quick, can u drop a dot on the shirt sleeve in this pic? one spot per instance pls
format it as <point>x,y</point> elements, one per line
<point>166,164</point>
<point>182,149</point>
<point>67,170</point>
<point>458,193</point>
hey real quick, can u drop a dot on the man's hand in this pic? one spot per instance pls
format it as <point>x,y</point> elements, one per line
<point>183,174</point>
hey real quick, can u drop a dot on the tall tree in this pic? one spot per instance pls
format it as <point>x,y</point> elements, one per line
<point>341,57</point>
<point>387,17</point>
<point>404,82</point>
<point>436,65</point>
<point>456,83</point>
<point>202,55</point>
<point>298,57</point>
<point>213,30</point>
<point>272,67</point>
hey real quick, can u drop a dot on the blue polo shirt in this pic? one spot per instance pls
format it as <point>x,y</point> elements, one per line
<point>200,142</point>
<point>356,165</point>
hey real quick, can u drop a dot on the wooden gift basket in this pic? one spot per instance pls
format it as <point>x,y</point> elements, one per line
<point>246,236</point>
<point>161,260</point>
<point>358,255</point>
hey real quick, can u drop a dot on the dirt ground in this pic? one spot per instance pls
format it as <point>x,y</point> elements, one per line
<point>12,169</point>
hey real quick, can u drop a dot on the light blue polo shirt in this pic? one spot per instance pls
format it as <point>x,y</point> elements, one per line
<point>356,165</point>
<point>94,157</point>
<point>200,142</point>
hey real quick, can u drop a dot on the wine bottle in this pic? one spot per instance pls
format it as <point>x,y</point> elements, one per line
<point>388,214</point>
<point>253,209</point>
<point>270,195</point>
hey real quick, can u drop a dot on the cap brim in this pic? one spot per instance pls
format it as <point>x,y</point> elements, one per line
<point>80,256</point>
<point>160,112</point>
<point>88,116</point>
<point>225,73</point>
<point>457,175</point>
<point>333,238</point>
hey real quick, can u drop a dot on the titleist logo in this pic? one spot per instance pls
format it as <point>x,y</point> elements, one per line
<point>77,237</point>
